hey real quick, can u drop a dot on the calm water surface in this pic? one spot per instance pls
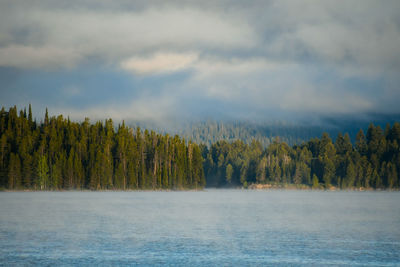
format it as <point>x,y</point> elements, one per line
<point>208,228</point>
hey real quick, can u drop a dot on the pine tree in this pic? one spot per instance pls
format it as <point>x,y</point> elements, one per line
<point>350,174</point>
<point>27,170</point>
<point>315,182</point>
<point>30,115</point>
<point>14,174</point>
<point>46,118</point>
<point>70,171</point>
<point>43,172</point>
<point>361,143</point>
<point>327,159</point>
<point>56,173</point>
<point>78,172</point>
<point>229,172</point>
<point>3,163</point>
<point>261,170</point>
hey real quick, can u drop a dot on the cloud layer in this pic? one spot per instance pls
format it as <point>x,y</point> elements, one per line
<point>157,60</point>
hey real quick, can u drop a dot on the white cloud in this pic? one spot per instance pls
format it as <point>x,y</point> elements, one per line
<point>159,63</point>
<point>262,85</point>
<point>236,79</point>
<point>208,67</point>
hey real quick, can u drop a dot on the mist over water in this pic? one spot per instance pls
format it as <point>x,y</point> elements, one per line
<point>211,227</point>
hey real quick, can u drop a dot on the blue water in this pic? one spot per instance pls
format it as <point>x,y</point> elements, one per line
<point>207,228</point>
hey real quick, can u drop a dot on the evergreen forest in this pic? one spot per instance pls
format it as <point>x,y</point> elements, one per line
<point>59,154</point>
<point>372,162</point>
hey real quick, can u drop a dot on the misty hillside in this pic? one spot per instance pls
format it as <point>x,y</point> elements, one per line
<point>209,132</point>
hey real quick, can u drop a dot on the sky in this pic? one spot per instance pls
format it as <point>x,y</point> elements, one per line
<point>177,60</point>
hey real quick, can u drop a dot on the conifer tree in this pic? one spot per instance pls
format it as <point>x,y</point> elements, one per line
<point>43,172</point>
<point>14,174</point>
<point>229,172</point>
<point>315,184</point>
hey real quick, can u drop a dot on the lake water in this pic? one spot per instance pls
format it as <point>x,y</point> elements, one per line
<point>206,228</point>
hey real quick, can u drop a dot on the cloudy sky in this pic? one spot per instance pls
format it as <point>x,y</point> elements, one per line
<point>159,60</point>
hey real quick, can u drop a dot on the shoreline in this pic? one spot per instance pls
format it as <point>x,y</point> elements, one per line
<point>303,187</point>
<point>252,187</point>
<point>102,190</point>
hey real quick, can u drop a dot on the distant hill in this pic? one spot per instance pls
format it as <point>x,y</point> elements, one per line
<point>209,132</point>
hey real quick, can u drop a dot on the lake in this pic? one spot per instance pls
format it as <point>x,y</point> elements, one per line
<point>204,228</point>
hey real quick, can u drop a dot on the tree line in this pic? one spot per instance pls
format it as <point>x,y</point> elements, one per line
<point>372,162</point>
<point>60,154</point>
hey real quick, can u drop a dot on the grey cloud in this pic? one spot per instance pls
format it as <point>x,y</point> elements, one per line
<point>284,55</point>
<point>362,34</point>
<point>116,35</point>
<point>342,33</point>
<point>37,57</point>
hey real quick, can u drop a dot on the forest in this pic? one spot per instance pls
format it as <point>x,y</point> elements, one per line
<point>59,154</point>
<point>372,162</point>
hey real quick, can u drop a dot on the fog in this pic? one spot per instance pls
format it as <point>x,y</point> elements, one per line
<point>210,227</point>
<point>161,62</point>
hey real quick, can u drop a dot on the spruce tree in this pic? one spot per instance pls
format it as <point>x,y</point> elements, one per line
<point>43,172</point>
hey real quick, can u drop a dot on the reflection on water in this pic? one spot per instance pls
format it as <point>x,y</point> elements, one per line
<point>212,227</point>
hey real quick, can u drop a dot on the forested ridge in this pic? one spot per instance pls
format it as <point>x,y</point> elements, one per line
<point>58,154</point>
<point>209,132</point>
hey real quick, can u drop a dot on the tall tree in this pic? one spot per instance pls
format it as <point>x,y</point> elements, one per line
<point>43,172</point>
<point>14,174</point>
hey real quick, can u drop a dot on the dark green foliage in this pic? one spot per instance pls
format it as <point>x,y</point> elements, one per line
<point>43,173</point>
<point>315,183</point>
<point>60,154</point>
<point>14,172</point>
<point>229,171</point>
<point>372,163</point>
